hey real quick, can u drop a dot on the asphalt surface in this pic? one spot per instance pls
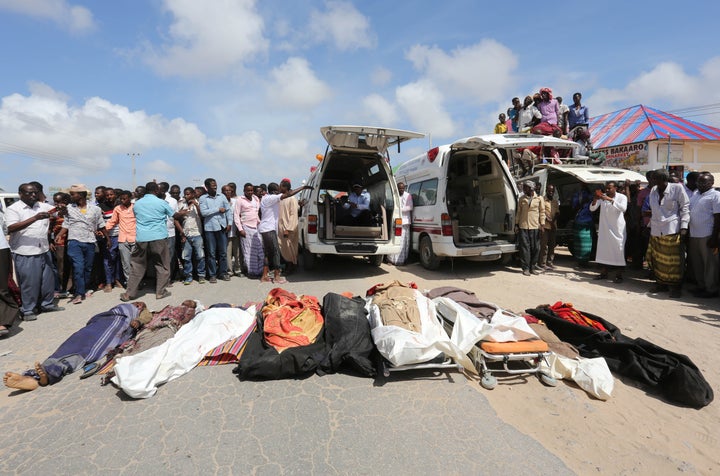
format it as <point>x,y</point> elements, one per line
<point>208,422</point>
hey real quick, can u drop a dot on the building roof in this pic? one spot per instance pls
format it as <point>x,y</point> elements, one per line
<point>641,123</point>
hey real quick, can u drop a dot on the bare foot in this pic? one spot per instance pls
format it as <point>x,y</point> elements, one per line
<point>41,373</point>
<point>20,382</point>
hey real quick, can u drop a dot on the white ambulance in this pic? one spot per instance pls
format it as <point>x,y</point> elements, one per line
<point>465,197</point>
<point>355,155</point>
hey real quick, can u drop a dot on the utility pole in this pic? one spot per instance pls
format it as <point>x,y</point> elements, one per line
<point>132,156</point>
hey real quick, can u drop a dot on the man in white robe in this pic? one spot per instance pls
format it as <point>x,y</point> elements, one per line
<point>288,233</point>
<point>406,208</point>
<point>612,234</point>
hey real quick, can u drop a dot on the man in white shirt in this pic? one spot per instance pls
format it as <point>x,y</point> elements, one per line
<point>704,231</point>
<point>191,237</point>
<point>269,212</point>
<point>174,266</point>
<point>669,219</point>
<point>234,252</point>
<point>528,115</point>
<point>28,222</point>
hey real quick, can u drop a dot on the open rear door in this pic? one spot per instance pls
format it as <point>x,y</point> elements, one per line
<point>365,138</point>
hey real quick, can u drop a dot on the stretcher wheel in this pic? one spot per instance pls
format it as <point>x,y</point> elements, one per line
<point>548,380</point>
<point>488,382</point>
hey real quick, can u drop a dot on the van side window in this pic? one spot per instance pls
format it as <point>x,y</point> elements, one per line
<point>424,193</point>
<point>413,190</point>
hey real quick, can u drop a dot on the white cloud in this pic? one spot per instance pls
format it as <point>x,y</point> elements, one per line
<point>381,76</point>
<point>74,18</point>
<point>295,85</point>
<point>481,72</point>
<point>422,102</point>
<point>667,85</point>
<point>93,137</point>
<point>208,37</point>
<point>289,147</point>
<point>380,110</point>
<point>243,147</point>
<point>159,167</point>
<point>342,25</point>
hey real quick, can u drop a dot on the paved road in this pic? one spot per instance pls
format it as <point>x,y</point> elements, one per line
<point>208,422</point>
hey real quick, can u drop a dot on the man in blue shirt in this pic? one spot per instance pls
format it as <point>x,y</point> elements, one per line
<point>216,210</point>
<point>151,214</point>
<point>358,206</point>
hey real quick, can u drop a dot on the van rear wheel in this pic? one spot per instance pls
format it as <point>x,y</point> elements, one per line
<point>308,260</point>
<point>428,258</point>
<point>376,260</point>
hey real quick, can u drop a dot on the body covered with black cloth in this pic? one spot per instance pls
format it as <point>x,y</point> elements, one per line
<point>673,376</point>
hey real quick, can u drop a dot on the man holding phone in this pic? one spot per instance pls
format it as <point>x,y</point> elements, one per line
<point>28,222</point>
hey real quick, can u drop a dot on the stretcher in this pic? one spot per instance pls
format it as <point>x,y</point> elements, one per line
<point>516,357</point>
<point>426,346</point>
<point>441,362</point>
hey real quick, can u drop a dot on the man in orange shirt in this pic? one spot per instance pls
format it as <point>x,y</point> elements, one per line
<point>124,217</point>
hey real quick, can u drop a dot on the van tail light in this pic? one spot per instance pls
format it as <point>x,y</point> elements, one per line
<point>446,225</point>
<point>312,224</point>
<point>432,153</point>
<point>398,227</point>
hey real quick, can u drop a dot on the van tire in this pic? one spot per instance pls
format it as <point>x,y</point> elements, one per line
<point>506,259</point>
<point>376,260</point>
<point>427,256</point>
<point>308,260</point>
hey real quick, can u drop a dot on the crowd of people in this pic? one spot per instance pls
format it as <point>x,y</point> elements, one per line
<point>543,114</point>
<point>670,227</point>
<point>73,245</point>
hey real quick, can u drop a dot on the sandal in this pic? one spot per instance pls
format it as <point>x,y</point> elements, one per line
<point>280,280</point>
<point>90,369</point>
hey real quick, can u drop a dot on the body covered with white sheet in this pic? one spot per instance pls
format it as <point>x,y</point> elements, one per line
<point>404,347</point>
<point>139,375</point>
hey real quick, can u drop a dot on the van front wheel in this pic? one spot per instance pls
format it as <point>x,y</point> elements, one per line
<point>427,256</point>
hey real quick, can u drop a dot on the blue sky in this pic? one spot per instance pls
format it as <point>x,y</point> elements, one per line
<point>237,89</point>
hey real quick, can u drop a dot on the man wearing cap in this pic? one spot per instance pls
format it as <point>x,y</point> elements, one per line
<point>529,224</point>
<point>83,220</point>
<point>151,214</point>
<point>288,228</point>
<point>359,205</point>
<point>28,225</point>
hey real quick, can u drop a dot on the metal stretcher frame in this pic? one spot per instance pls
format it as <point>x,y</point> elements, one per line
<point>481,357</point>
<point>441,362</point>
<point>446,364</point>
